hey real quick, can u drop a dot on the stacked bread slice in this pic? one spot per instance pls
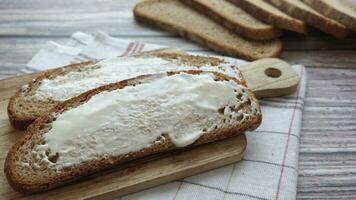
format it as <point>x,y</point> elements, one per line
<point>342,11</point>
<point>87,117</point>
<point>176,16</point>
<point>235,19</point>
<point>299,10</point>
<point>248,29</point>
<point>272,15</point>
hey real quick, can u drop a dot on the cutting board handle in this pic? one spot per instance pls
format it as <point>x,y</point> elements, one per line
<point>270,77</point>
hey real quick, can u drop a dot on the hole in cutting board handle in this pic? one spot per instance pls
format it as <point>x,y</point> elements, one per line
<point>273,72</point>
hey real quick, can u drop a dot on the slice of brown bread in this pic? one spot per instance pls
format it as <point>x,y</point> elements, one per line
<point>300,10</point>
<point>50,154</point>
<point>269,14</point>
<point>173,15</point>
<point>235,19</point>
<point>342,11</point>
<point>43,93</point>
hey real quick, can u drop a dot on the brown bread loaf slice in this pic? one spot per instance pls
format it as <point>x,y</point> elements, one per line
<point>119,122</point>
<point>235,19</point>
<point>300,10</point>
<point>343,11</point>
<point>173,15</point>
<point>269,14</point>
<point>43,93</point>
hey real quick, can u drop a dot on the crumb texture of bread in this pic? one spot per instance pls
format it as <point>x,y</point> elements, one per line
<point>152,118</point>
<point>175,16</point>
<point>343,11</point>
<point>55,86</point>
<point>302,11</point>
<point>235,19</point>
<point>270,14</point>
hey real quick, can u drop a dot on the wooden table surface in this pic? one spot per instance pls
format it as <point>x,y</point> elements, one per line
<point>327,161</point>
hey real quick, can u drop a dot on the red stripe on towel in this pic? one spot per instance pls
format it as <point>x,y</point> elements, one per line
<point>288,139</point>
<point>137,44</point>
<point>141,48</point>
<point>128,49</point>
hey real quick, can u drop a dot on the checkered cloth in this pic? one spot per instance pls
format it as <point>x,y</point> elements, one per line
<point>269,169</point>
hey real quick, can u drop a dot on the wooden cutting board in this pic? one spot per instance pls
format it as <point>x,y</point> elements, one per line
<point>266,77</point>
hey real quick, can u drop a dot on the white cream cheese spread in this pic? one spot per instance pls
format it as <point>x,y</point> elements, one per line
<point>182,106</point>
<point>113,70</point>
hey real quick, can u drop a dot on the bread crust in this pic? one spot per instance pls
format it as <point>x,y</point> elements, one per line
<point>22,121</point>
<point>92,166</point>
<point>287,23</point>
<point>268,32</point>
<point>143,17</point>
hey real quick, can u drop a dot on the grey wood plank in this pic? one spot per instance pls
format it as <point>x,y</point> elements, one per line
<point>328,143</point>
<point>53,17</point>
<point>323,59</point>
<point>26,18</point>
<point>15,52</point>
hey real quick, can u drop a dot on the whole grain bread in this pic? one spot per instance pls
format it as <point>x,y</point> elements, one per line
<point>174,16</point>
<point>271,15</point>
<point>27,172</point>
<point>342,11</point>
<point>235,19</point>
<point>25,106</point>
<point>300,10</point>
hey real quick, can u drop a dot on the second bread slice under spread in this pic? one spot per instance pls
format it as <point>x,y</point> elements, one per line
<point>46,91</point>
<point>175,16</point>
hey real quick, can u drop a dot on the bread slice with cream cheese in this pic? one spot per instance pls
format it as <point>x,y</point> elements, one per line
<point>127,120</point>
<point>55,86</point>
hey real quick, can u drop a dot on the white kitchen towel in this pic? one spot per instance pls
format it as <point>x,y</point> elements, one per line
<point>269,169</point>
